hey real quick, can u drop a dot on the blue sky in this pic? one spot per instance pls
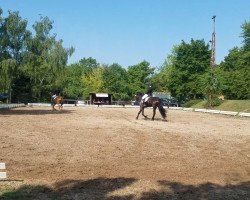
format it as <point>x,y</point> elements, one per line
<point>130,31</point>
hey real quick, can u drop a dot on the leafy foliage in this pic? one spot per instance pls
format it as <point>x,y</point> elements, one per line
<point>234,74</point>
<point>189,65</point>
<point>116,81</point>
<point>33,63</point>
<point>139,77</point>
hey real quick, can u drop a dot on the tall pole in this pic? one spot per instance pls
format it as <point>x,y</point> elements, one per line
<point>212,66</point>
<point>212,60</point>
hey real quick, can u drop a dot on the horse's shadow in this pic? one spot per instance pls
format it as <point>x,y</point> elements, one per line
<point>155,119</point>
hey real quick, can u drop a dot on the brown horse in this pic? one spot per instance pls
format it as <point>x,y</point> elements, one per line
<point>58,100</point>
<point>154,102</point>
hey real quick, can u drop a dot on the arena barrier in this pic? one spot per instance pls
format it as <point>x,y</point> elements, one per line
<point>11,105</point>
<point>222,112</point>
<point>3,175</point>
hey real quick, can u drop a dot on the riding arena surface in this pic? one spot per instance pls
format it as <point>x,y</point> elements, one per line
<point>105,153</point>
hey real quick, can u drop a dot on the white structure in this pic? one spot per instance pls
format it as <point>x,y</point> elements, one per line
<point>2,174</point>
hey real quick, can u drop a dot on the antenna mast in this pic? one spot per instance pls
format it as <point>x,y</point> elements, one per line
<point>212,59</point>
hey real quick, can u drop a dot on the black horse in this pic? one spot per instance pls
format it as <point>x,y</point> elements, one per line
<point>154,102</point>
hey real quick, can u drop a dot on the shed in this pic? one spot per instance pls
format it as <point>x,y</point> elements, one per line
<point>100,98</point>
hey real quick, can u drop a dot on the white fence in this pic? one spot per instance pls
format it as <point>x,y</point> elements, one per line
<point>12,105</point>
<point>222,112</point>
<point>3,175</point>
<point>230,113</point>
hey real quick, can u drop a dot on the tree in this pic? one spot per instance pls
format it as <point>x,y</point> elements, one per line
<point>160,79</point>
<point>246,35</point>
<point>88,65</point>
<point>13,34</point>
<point>234,74</point>
<point>186,73</point>
<point>72,83</point>
<point>116,81</point>
<point>45,59</point>
<point>93,82</point>
<point>139,77</point>
<point>234,71</point>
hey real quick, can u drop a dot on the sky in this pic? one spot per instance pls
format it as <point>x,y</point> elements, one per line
<point>130,31</point>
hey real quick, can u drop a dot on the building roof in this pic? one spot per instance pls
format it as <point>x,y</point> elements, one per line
<point>102,95</point>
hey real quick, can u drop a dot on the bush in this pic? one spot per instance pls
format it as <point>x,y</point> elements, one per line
<point>192,102</point>
<point>214,102</point>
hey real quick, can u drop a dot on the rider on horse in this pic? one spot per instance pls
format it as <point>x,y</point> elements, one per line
<point>55,94</point>
<point>149,93</point>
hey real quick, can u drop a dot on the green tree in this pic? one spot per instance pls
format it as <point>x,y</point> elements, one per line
<point>160,78</point>
<point>93,81</point>
<point>116,82</point>
<point>187,71</point>
<point>72,83</point>
<point>75,75</point>
<point>234,71</point>
<point>139,77</point>
<point>13,34</point>
<point>88,65</point>
<point>45,60</point>
<point>234,74</point>
<point>246,35</point>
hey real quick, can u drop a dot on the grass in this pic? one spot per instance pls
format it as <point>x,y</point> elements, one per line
<point>228,105</point>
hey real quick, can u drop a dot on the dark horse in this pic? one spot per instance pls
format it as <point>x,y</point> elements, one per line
<point>154,102</point>
<point>58,100</point>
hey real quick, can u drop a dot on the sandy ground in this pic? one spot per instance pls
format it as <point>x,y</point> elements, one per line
<point>105,153</point>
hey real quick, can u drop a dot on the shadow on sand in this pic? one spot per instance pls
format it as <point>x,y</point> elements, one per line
<point>33,111</point>
<point>100,188</point>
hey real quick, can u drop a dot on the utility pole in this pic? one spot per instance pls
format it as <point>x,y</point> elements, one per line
<point>212,60</point>
<point>212,83</point>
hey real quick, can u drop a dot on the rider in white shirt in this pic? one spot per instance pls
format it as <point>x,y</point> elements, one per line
<point>148,94</point>
<point>55,94</point>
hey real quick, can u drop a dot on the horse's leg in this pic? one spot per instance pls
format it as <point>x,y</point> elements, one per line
<point>142,107</point>
<point>139,112</point>
<point>61,107</point>
<point>145,116</point>
<point>154,108</point>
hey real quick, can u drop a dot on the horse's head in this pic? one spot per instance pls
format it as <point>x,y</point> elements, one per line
<point>138,96</point>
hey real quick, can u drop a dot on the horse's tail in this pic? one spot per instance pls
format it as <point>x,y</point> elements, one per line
<point>162,111</point>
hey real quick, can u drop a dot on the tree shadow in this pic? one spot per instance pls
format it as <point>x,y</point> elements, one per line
<point>72,189</point>
<point>33,112</point>
<point>100,188</point>
<point>174,190</point>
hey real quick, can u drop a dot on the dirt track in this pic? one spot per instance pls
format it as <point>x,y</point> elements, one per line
<point>101,153</point>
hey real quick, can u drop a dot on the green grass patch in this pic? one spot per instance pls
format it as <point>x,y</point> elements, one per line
<point>235,105</point>
<point>27,192</point>
<point>228,105</point>
<point>192,103</point>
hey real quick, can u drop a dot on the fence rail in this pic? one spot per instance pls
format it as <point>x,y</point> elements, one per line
<point>116,104</point>
<point>12,105</point>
